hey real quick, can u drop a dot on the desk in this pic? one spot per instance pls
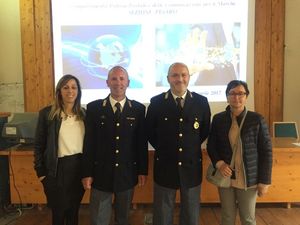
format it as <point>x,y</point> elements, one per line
<point>285,179</point>
<point>22,177</point>
<point>286,172</point>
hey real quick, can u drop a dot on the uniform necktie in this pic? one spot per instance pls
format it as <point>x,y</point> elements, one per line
<point>118,110</point>
<point>179,103</point>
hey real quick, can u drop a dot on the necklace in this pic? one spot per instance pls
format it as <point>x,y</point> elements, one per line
<point>66,115</point>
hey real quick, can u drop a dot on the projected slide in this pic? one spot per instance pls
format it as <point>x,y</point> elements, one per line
<point>145,37</point>
<point>89,52</point>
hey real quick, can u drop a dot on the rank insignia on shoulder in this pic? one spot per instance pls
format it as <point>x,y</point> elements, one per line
<point>196,125</point>
<point>129,103</point>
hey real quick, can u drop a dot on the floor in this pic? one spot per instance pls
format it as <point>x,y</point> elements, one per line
<point>266,214</point>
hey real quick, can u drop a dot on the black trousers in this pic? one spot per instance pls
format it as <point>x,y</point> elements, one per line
<point>65,191</point>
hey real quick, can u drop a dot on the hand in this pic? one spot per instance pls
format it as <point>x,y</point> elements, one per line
<point>87,183</point>
<point>262,189</point>
<point>142,180</point>
<point>225,170</point>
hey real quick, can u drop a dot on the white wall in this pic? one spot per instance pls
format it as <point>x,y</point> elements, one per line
<point>11,77</point>
<point>291,109</point>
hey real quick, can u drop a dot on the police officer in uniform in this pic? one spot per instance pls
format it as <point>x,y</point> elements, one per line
<point>177,123</point>
<point>115,155</point>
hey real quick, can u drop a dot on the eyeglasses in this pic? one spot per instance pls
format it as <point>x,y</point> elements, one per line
<point>239,94</point>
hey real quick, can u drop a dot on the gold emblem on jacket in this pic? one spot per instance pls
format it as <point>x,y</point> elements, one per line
<point>196,125</point>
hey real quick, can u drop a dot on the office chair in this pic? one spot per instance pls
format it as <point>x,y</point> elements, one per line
<point>285,129</point>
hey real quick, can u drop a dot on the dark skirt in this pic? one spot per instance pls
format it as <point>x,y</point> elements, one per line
<point>65,190</point>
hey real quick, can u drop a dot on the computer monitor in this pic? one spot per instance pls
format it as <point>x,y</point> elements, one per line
<point>285,129</point>
<point>21,128</point>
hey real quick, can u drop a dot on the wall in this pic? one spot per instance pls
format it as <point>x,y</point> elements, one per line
<point>11,69</point>
<point>11,75</point>
<point>291,104</point>
<point>268,56</point>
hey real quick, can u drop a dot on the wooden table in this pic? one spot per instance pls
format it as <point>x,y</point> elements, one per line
<point>286,172</point>
<point>285,179</point>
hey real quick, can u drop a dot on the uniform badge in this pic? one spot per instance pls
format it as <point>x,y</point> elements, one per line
<point>196,125</point>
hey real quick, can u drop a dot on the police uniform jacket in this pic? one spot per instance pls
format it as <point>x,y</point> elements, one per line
<point>115,152</point>
<point>176,137</point>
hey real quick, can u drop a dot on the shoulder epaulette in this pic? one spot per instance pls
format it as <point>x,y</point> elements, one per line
<point>129,103</point>
<point>166,95</point>
<point>104,102</point>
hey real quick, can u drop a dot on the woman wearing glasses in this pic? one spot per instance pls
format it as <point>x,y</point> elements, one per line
<point>244,133</point>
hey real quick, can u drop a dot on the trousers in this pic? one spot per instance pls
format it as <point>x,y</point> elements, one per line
<point>164,202</point>
<point>243,200</point>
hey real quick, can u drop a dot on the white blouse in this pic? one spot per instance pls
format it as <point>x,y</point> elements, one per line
<point>70,137</point>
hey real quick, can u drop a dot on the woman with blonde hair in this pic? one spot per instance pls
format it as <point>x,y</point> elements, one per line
<point>58,149</point>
